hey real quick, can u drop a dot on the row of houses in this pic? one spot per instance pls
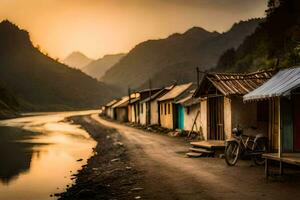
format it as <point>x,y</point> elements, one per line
<point>264,102</point>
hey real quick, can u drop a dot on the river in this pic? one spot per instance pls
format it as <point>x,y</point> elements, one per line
<point>40,153</point>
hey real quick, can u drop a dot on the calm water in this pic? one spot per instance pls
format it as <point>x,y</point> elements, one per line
<point>38,155</point>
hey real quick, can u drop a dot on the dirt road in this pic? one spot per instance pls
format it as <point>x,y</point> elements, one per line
<point>170,175</point>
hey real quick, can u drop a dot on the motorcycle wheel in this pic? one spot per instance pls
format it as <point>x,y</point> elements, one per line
<point>232,153</point>
<point>259,146</point>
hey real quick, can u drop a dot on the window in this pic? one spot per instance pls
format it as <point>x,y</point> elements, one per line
<point>161,109</point>
<point>169,108</point>
<point>165,108</point>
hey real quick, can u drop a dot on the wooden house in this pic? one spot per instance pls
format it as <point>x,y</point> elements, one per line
<point>170,113</point>
<point>282,92</point>
<point>222,107</point>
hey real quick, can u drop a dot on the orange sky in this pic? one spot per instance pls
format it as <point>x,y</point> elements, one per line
<point>98,27</point>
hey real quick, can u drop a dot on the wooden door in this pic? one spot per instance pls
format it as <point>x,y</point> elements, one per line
<point>216,118</point>
<point>296,110</point>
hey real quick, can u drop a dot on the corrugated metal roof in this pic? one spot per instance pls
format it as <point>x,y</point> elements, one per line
<point>111,103</point>
<point>280,85</point>
<point>175,92</point>
<point>238,84</point>
<point>122,102</point>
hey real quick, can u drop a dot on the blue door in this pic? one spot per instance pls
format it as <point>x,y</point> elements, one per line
<point>180,117</point>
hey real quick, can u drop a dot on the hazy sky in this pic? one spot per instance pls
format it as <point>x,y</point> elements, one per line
<point>98,27</point>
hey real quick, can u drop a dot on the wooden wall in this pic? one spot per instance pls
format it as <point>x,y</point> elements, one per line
<point>143,113</point>
<point>203,117</point>
<point>228,114</point>
<point>190,113</point>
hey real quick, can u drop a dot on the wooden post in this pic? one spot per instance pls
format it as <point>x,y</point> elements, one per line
<point>279,131</point>
<point>280,168</point>
<point>267,168</point>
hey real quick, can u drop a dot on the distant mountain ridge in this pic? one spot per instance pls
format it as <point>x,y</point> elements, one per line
<point>98,68</point>
<point>175,58</point>
<point>41,83</point>
<point>77,60</point>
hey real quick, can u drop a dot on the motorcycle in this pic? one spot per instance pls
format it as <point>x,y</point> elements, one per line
<point>241,145</point>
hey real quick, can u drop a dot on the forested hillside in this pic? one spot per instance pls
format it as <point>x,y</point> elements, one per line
<point>275,43</point>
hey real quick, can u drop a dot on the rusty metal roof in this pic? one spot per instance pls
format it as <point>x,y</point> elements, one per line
<point>237,83</point>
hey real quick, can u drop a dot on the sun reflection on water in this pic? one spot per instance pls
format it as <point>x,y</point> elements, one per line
<point>51,154</point>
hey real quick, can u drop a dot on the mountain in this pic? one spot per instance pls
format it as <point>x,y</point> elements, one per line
<point>176,57</point>
<point>275,43</point>
<point>98,67</point>
<point>41,83</point>
<point>77,60</point>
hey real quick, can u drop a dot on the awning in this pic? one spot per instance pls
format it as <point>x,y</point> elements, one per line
<point>280,84</point>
